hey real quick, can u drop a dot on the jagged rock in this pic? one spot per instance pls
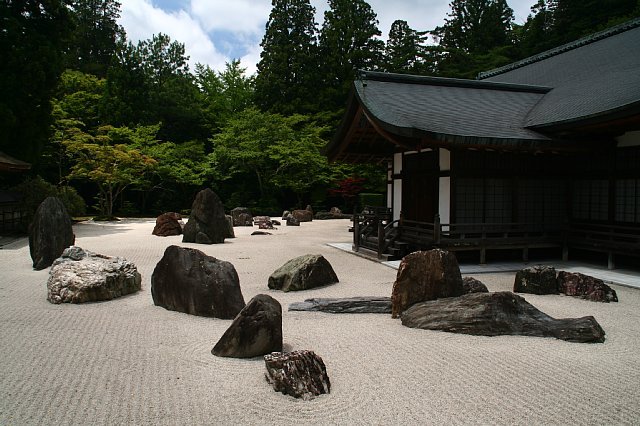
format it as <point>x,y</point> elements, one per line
<point>501,313</point>
<point>242,216</point>
<point>286,214</point>
<point>168,224</point>
<point>303,273</point>
<point>472,285</point>
<point>348,305</point>
<point>309,209</point>
<point>187,280</point>
<point>230,232</point>
<point>261,219</point>
<point>207,223</point>
<point>301,374</point>
<point>585,287</point>
<point>302,215</point>
<point>292,221</point>
<point>425,275</point>
<point>80,276</point>
<point>260,233</point>
<point>50,233</point>
<point>335,211</point>
<point>257,330</point>
<point>276,222</point>
<point>537,279</point>
<point>265,225</point>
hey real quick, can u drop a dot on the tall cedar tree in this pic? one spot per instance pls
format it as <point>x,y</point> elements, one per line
<point>476,26</point>
<point>96,34</point>
<point>288,63</point>
<point>403,51</point>
<point>348,42</point>
<point>33,39</point>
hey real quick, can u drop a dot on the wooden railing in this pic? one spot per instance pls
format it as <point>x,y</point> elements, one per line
<point>375,230</point>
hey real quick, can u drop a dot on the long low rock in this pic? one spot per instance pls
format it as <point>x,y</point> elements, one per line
<point>501,313</point>
<point>348,305</point>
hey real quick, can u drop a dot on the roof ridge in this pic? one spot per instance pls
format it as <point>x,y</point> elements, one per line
<point>592,38</point>
<point>363,75</point>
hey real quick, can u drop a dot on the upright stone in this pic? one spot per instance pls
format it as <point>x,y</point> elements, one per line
<point>230,232</point>
<point>257,330</point>
<point>187,280</point>
<point>301,374</point>
<point>207,222</point>
<point>537,279</point>
<point>303,273</point>
<point>425,275</point>
<point>50,233</point>
<point>241,216</point>
<point>302,215</point>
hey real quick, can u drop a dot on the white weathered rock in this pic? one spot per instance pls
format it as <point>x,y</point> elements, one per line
<point>82,276</point>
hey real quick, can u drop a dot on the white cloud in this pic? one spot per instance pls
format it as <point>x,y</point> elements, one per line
<point>142,20</point>
<point>239,16</point>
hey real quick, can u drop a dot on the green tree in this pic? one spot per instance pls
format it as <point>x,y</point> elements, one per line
<point>404,50</point>
<point>287,71</point>
<point>270,152</point>
<point>348,41</point>
<point>33,38</point>
<point>112,167</point>
<point>223,93</point>
<point>95,37</point>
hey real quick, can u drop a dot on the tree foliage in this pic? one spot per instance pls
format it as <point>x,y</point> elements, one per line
<point>405,50</point>
<point>33,39</point>
<point>287,71</point>
<point>348,42</point>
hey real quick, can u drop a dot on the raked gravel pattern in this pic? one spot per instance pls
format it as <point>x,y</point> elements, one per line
<point>127,361</point>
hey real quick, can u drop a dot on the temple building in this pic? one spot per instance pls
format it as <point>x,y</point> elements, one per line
<point>540,153</point>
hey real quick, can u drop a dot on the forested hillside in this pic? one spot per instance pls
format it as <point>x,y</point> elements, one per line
<point>130,129</point>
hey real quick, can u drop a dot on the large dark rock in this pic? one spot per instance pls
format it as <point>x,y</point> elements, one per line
<point>425,275</point>
<point>168,224</point>
<point>586,287</point>
<point>348,305</point>
<point>472,285</point>
<point>301,374</point>
<point>80,276</point>
<point>207,223</point>
<point>187,280</point>
<point>242,216</point>
<point>494,314</point>
<point>536,280</point>
<point>303,273</point>
<point>50,233</point>
<point>302,215</point>
<point>257,330</point>
<point>292,221</point>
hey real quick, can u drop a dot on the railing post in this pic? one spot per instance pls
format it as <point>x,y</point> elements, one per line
<point>436,229</point>
<point>356,232</point>
<point>380,238</point>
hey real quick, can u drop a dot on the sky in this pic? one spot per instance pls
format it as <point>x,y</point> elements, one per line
<point>217,31</point>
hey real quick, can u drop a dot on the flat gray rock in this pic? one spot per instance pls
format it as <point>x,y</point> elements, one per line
<point>347,305</point>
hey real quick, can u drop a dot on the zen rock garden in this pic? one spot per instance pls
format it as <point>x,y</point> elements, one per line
<point>429,291</point>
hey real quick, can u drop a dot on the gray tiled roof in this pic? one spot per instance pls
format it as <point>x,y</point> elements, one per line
<point>449,109</point>
<point>591,77</point>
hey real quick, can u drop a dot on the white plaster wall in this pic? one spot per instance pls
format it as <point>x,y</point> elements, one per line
<point>629,139</point>
<point>444,199</point>
<point>445,159</point>
<point>397,186</point>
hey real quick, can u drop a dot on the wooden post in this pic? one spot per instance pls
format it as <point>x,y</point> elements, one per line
<point>356,232</point>
<point>525,255</point>
<point>483,255</point>
<point>380,238</point>
<point>611,261</point>
<point>436,229</point>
